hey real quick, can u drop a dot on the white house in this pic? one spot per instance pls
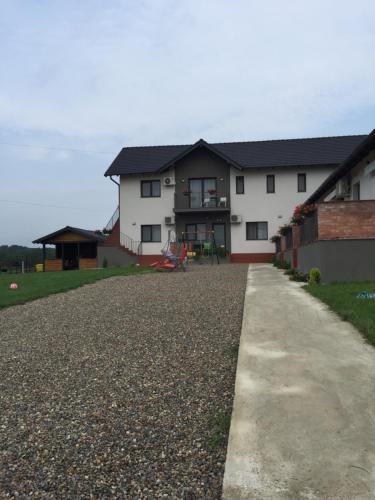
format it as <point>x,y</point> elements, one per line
<point>243,191</point>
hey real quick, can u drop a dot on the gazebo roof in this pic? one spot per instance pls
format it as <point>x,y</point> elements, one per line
<point>85,233</point>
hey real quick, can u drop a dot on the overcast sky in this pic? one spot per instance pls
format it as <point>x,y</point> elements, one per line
<point>99,75</point>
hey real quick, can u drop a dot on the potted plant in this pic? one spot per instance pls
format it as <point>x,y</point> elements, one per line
<point>301,212</point>
<point>212,191</point>
<point>275,238</point>
<point>284,230</point>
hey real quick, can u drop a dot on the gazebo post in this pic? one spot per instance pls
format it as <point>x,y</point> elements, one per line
<point>44,257</point>
<point>62,256</point>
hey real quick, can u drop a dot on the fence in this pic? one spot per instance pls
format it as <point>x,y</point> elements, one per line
<point>309,229</point>
<point>26,265</point>
<point>289,239</point>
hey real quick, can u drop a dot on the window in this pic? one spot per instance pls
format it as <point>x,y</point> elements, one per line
<point>150,189</point>
<point>151,233</point>
<point>356,191</point>
<point>196,232</point>
<point>301,183</point>
<point>270,183</point>
<point>240,184</point>
<point>257,230</point>
<point>203,192</point>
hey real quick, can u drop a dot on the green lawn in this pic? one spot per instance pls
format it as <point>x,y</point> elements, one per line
<point>35,285</point>
<point>342,298</point>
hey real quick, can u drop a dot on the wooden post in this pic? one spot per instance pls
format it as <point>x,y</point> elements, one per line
<point>78,255</point>
<point>62,256</point>
<point>44,257</point>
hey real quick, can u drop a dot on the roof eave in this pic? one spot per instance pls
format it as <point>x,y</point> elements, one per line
<point>360,152</point>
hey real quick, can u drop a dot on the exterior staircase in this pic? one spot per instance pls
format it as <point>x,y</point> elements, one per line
<point>121,240</point>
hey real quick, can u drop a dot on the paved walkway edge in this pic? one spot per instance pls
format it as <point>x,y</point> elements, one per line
<point>303,420</point>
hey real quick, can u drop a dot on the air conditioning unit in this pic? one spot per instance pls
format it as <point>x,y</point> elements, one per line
<point>170,220</point>
<point>343,188</point>
<point>169,181</point>
<point>235,219</point>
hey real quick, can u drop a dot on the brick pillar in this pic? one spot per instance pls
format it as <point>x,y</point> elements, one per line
<point>282,248</point>
<point>296,238</point>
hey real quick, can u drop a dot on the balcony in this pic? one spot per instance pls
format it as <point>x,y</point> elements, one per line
<point>196,202</point>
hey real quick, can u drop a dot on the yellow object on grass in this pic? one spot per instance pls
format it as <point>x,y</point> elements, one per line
<point>38,268</point>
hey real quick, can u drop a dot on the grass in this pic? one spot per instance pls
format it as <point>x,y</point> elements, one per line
<point>220,429</point>
<point>342,298</point>
<point>33,286</point>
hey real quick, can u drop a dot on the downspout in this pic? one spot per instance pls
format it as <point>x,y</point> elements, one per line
<point>118,184</point>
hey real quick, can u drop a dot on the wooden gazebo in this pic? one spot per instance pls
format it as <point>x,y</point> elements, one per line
<point>75,249</point>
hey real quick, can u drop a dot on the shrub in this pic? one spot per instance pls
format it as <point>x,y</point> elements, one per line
<point>276,262</point>
<point>105,262</point>
<point>285,265</point>
<point>296,275</point>
<point>314,276</point>
<point>222,252</point>
<point>197,256</point>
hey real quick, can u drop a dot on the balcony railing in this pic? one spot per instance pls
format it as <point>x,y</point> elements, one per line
<point>309,229</point>
<point>197,201</point>
<point>112,221</point>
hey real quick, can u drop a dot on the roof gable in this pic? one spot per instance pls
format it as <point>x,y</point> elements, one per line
<point>200,144</point>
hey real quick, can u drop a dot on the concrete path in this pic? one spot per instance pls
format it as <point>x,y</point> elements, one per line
<point>303,424</point>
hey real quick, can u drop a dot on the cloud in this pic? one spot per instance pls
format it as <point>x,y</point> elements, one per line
<point>162,71</point>
<point>98,75</point>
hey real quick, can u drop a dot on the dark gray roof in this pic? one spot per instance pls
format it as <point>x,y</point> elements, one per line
<point>256,154</point>
<point>91,235</point>
<point>361,151</point>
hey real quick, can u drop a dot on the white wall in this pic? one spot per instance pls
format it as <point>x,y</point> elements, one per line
<point>256,205</point>
<point>364,173</point>
<point>136,211</point>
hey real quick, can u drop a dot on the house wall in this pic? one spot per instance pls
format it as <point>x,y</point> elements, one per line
<point>339,260</point>
<point>364,173</point>
<point>256,205</point>
<point>136,211</point>
<point>201,163</point>
<point>346,220</point>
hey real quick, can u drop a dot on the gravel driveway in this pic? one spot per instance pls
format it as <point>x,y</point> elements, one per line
<point>111,390</point>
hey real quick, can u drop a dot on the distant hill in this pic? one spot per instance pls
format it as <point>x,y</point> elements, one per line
<point>13,255</point>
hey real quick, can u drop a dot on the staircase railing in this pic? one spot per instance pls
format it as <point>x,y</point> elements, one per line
<point>132,245</point>
<point>112,221</point>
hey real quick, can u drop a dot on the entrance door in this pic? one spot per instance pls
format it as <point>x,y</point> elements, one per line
<point>219,234</point>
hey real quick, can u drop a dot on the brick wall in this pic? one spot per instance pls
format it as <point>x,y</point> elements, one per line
<point>113,239</point>
<point>251,258</point>
<point>346,220</point>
